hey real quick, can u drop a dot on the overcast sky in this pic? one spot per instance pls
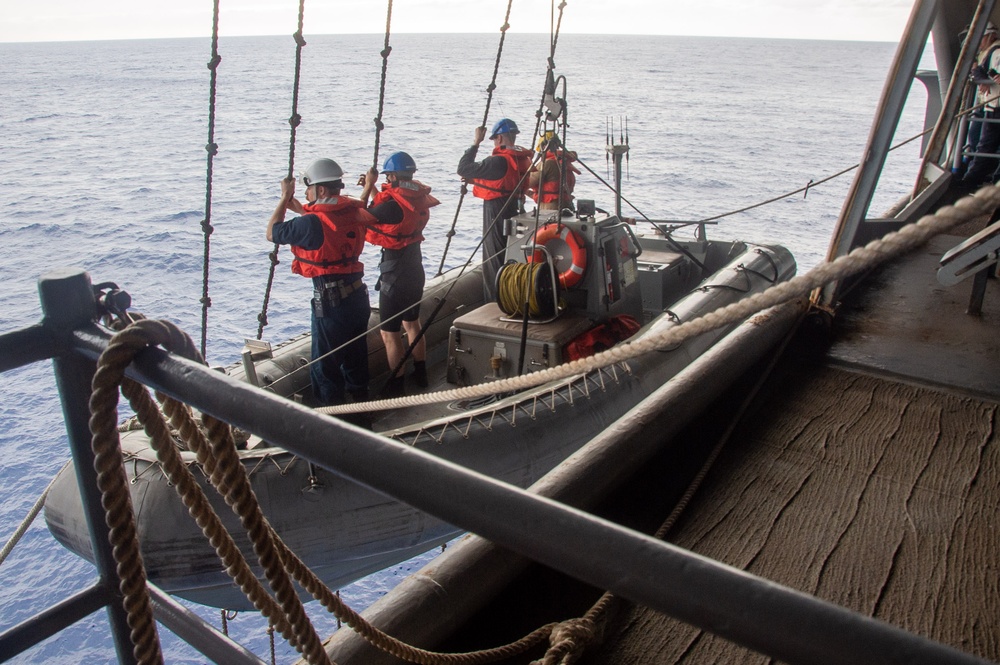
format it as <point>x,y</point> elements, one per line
<point>60,20</point>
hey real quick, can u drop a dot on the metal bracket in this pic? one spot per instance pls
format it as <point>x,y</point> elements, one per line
<point>970,257</point>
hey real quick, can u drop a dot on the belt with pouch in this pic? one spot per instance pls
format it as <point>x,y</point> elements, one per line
<point>338,289</point>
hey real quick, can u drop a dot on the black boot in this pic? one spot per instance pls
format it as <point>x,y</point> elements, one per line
<point>420,373</point>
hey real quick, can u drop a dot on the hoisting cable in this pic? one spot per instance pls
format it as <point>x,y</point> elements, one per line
<point>486,114</point>
<point>386,50</point>
<point>294,121</point>
<point>213,149</point>
<point>549,89</point>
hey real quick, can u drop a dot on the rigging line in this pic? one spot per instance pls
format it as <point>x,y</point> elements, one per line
<point>386,50</point>
<point>294,121</point>
<point>486,114</point>
<point>679,247</point>
<point>212,149</point>
<point>812,184</point>
<point>443,297</point>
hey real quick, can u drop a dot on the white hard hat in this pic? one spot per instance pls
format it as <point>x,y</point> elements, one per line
<point>990,28</point>
<point>322,171</point>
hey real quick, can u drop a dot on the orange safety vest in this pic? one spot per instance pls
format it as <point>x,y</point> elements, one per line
<point>550,188</point>
<point>344,221</point>
<point>518,163</point>
<point>415,199</point>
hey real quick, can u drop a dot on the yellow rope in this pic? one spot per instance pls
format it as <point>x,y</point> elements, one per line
<point>516,280</point>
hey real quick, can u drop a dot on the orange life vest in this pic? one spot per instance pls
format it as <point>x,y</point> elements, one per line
<point>415,199</point>
<point>344,222</point>
<point>518,163</point>
<point>550,188</point>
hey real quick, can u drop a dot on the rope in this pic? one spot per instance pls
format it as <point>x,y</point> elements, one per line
<point>117,503</point>
<point>294,122</point>
<point>223,468</point>
<point>860,259</point>
<point>563,637</point>
<point>386,50</point>
<point>218,457</point>
<point>486,114</point>
<point>516,280</point>
<point>26,522</point>
<point>213,149</point>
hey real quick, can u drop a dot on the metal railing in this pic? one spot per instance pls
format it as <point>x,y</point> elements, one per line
<point>777,621</point>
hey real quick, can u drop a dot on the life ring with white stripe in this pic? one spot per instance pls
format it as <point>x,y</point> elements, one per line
<point>578,251</point>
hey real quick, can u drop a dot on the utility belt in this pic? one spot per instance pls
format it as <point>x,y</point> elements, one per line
<point>393,263</point>
<point>332,294</point>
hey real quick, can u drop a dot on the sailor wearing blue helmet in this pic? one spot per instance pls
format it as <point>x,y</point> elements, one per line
<point>500,181</point>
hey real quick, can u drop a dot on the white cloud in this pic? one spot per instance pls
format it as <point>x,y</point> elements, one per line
<point>58,20</point>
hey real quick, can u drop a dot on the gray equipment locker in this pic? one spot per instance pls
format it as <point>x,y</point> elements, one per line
<point>482,347</point>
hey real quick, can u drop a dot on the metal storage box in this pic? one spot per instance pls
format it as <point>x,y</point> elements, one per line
<point>484,347</point>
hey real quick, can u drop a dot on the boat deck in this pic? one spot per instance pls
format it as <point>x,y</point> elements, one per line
<point>869,480</point>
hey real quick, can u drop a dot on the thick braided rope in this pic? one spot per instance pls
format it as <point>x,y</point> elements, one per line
<point>567,640</point>
<point>190,492</point>
<point>116,499</point>
<point>863,258</point>
<point>230,479</point>
<point>220,435</point>
<point>391,645</point>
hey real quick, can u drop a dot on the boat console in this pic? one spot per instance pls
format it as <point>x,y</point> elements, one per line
<point>580,272</point>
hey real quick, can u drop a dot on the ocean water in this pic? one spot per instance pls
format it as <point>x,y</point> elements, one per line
<point>103,167</point>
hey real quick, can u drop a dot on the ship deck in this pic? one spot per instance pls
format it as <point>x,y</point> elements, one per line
<point>869,478</point>
<point>866,474</point>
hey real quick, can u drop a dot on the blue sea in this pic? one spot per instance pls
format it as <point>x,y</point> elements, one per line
<point>103,167</point>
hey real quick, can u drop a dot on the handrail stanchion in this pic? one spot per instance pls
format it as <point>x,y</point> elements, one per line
<point>67,299</point>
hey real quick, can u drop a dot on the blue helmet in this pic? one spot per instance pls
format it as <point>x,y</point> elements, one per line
<point>503,126</point>
<point>399,161</point>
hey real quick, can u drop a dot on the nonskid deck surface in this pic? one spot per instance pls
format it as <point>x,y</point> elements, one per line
<point>869,480</point>
<point>889,511</point>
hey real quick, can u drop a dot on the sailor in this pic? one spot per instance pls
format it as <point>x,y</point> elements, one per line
<point>326,241</point>
<point>549,174</point>
<point>402,209</point>
<point>500,181</point>
<point>983,167</point>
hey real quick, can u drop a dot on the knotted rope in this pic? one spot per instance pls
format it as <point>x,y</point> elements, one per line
<point>386,50</point>
<point>294,122</point>
<point>213,149</point>
<point>486,115</point>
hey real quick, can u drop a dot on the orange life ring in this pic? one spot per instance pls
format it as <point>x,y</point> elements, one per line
<point>578,250</point>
